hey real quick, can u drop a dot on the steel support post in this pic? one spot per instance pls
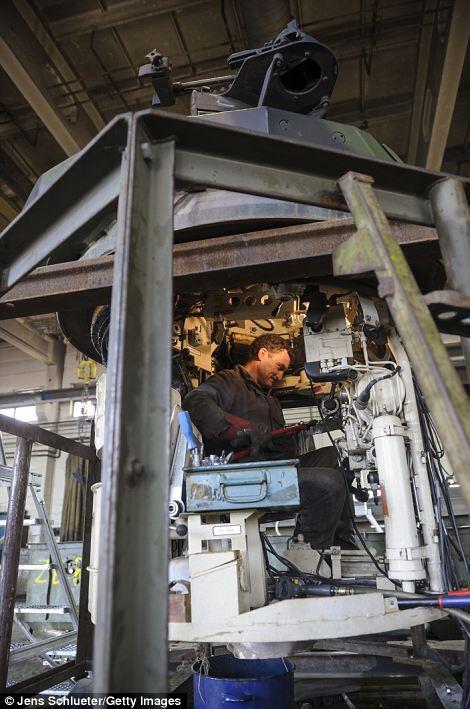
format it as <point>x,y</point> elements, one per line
<point>85,626</point>
<point>374,248</point>
<point>11,551</point>
<point>132,614</point>
<point>452,215</point>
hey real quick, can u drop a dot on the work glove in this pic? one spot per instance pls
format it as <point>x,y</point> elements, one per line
<point>255,439</point>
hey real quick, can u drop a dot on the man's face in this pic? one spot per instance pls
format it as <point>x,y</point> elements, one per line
<point>272,366</point>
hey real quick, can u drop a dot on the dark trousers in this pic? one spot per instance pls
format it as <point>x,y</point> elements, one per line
<point>325,512</point>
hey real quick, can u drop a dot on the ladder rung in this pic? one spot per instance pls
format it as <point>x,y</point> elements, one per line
<point>62,653</point>
<point>60,610</point>
<point>36,567</point>
<point>26,522</point>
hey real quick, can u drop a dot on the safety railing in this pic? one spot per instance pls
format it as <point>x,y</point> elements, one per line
<point>26,435</point>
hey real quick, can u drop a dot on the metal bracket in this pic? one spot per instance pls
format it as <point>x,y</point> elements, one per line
<point>450,310</point>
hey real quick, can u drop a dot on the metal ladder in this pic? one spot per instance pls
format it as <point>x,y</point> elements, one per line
<point>69,607</point>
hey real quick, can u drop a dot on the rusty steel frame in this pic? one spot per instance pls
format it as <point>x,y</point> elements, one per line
<point>26,434</point>
<point>302,250</point>
<point>37,434</point>
<point>87,188</point>
<point>122,169</point>
<point>11,551</point>
<point>374,248</point>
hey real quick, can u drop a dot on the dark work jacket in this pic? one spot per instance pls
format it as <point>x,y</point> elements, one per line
<point>234,391</point>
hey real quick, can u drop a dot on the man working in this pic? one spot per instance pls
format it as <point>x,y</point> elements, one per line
<point>244,392</point>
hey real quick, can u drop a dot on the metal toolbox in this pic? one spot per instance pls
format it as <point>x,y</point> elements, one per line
<point>265,485</point>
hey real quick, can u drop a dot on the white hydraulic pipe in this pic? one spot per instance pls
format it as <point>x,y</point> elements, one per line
<point>402,544</point>
<point>423,491</point>
<point>373,521</point>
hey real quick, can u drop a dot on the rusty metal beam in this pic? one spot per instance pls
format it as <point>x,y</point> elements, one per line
<point>37,434</point>
<point>287,252</point>
<point>62,286</point>
<point>11,551</point>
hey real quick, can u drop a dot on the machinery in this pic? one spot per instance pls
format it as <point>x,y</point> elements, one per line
<point>232,522</point>
<point>245,560</point>
<point>281,89</point>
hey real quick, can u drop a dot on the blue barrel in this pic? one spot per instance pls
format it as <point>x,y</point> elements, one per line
<point>247,684</point>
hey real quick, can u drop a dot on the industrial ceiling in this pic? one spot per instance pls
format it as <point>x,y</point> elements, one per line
<point>68,66</point>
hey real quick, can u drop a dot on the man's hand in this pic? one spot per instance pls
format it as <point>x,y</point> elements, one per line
<point>255,439</point>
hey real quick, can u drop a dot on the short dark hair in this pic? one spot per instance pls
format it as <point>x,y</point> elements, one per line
<point>273,343</point>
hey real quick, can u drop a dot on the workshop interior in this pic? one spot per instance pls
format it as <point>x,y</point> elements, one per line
<point>193,193</point>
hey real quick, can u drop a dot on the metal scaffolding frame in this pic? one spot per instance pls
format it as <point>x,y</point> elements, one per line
<point>132,166</point>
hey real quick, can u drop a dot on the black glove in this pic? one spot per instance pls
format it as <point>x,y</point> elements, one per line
<point>255,439</point>
<point>241,440</point>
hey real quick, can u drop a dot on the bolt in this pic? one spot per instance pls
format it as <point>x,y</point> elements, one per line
<point>147,151</point>
<point>136,472</point>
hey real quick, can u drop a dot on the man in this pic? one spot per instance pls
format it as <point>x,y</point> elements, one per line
<point>244,392</point>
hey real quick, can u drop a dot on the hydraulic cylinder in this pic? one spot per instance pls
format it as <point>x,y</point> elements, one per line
<point>403,548</point>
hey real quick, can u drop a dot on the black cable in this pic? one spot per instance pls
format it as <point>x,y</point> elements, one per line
<point>262,327</point>
<point>293,570</point>
<point>363,398</point>
<point>438,480</point>
<point>280,558</point>
<point>439,485</point>
<point>268,566</point>
<point>346,482</point>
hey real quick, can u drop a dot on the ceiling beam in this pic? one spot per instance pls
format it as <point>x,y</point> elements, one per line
<point>7,209</point>
<point>439,71</point>
<point>27,340</point>
<point>14,177</point>
<point>422,67</point>
<point>28,65</point>
<point>116,15</point>
<point>37,99</point>
<point>50,46</point>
